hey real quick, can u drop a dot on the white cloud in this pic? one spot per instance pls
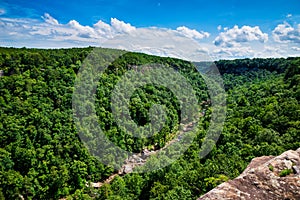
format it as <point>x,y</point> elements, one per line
<point>121,27</point>
<point>272,51</point>
<point>72,33</point>
<point>289,15</point>
<point>49,19</point>
<point>2,11</point>
<point>296,48</point>
<point>219,28</point>
<point>234,52</point>
<point>285,33</point>
<point>235,36</point>
<point>161,42</point>
<point>83,31</point>
<point>182,42</point>
<point>192,33</point>
<point>118,34</point>
<point>103,29</point>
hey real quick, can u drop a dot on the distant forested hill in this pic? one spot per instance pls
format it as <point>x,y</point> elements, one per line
<point>42,156</point>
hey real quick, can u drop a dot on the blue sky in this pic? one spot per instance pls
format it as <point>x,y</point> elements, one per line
<point>224,29</point>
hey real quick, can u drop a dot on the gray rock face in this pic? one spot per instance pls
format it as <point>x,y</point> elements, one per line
<point>266,178</point>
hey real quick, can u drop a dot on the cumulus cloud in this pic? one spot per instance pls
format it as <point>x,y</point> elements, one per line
<point>121,27</point>
<point>161,42</point>
<point>117,34</point>
<point>103,28</point>
<point>83,31</point>
<point>192,33</point>
<point>73,32</point>
<point>51,30</point>
<point>49,19</point>
<point>251,42</point>
<point>285,33</point>
<point>235,36</point>
<point>181,42</point>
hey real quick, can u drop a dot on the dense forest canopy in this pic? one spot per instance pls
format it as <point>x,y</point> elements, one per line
<point>42,156</point>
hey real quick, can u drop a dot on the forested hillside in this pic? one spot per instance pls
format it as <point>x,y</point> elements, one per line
<point>42,156</point>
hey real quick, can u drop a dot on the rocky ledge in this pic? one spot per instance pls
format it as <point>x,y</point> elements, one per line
<point>266,177</point>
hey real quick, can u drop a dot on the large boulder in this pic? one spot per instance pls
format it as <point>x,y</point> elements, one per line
<point>265,178</point>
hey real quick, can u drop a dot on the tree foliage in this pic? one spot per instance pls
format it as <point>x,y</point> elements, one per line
<point>42,157</point>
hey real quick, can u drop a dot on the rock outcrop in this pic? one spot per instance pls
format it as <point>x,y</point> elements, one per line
<point>266,178</point>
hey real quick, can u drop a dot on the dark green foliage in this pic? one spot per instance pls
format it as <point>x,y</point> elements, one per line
<point>240,66</point>
<point>143,99</point>
<point>285,172</point>
<point>41,156</point>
